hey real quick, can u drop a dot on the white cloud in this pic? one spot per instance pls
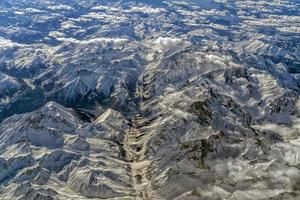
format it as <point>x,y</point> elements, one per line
<point>60,7</point>
<point>4,43</point>
<point>166,43</point>
<point>56,34</point>
<point>181,3</point>
<point>102,17</point>
<point>147,9</point>
<point>290,29</point>
<point>33,10</point>
<point>96,41</point>
<point>19,13</point>
<point>68,25</point>
<point>105,41</point>
<point>106,8</point>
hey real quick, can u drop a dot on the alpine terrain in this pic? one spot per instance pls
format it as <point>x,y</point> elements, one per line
<point>149,100</point>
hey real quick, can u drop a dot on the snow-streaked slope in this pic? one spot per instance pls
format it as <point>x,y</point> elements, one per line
<point>183,100</point>
<point>216,131</point>
<point>52,153</point>
<point>8,83</point>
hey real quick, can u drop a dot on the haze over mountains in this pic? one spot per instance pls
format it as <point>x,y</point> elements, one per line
<point>183,100</point>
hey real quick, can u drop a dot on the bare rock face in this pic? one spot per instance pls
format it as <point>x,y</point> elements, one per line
<point>162,100</point>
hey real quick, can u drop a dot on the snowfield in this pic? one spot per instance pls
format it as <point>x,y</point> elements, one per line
<point>181,100</point>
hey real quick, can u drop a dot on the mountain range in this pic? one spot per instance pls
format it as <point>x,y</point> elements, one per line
<point>135,99</point>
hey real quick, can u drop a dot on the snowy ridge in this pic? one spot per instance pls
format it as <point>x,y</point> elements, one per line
<point>183,100</point>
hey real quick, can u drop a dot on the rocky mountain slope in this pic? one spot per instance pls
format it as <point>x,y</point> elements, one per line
<point>183,100</point>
